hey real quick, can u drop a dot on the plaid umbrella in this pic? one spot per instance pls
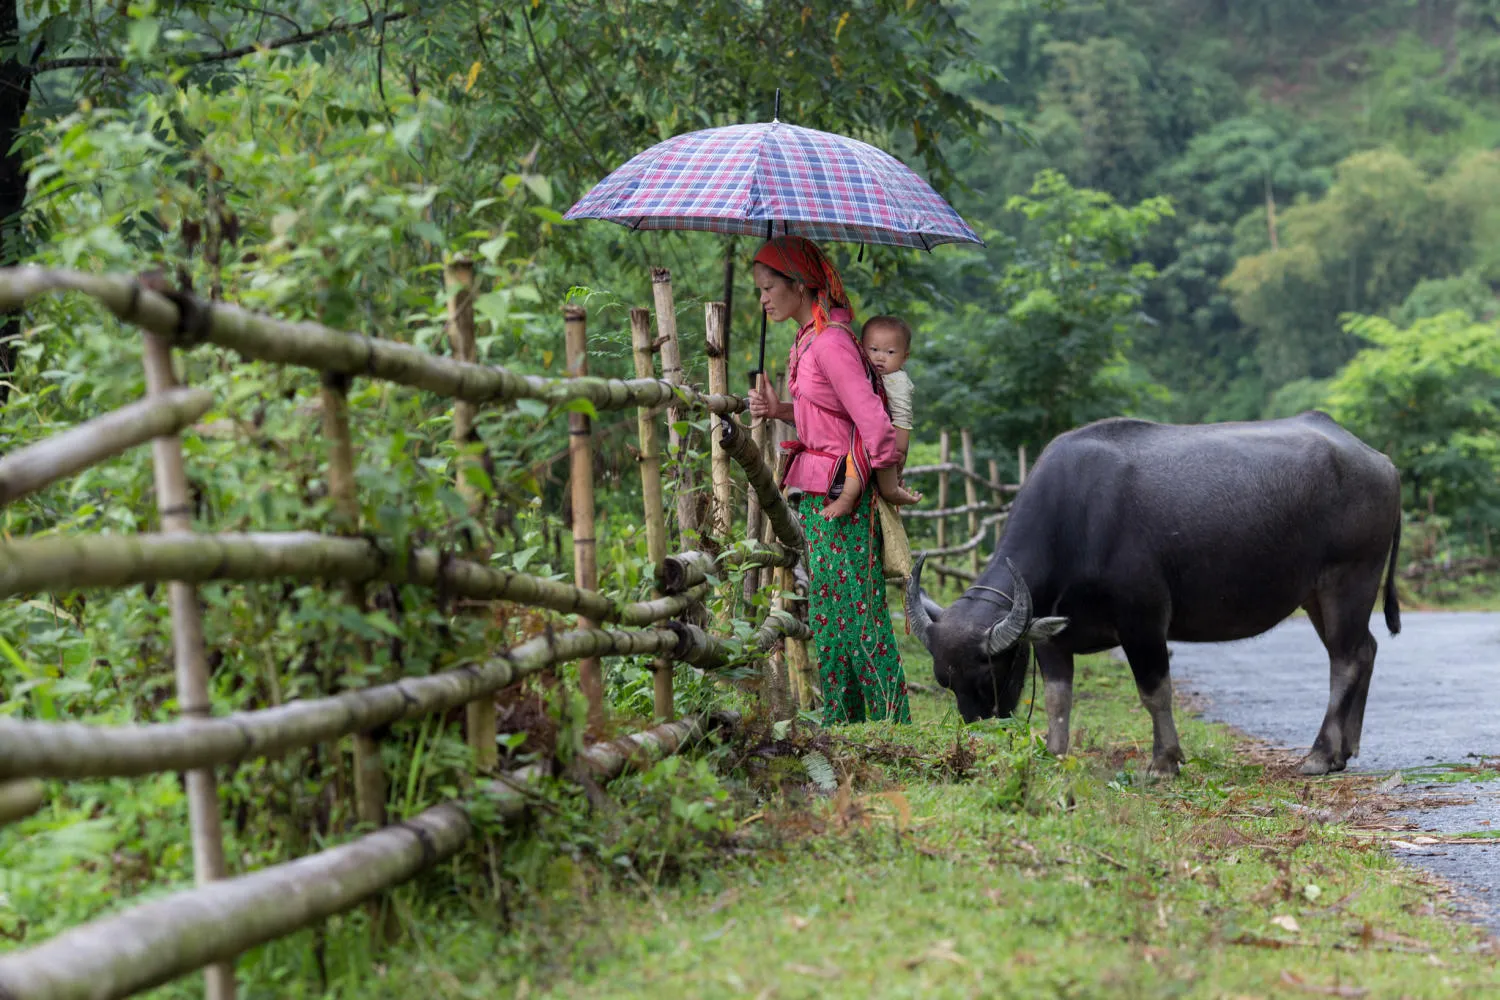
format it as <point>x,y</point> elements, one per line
<point>771,178</point>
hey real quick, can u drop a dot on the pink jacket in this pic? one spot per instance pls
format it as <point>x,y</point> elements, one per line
<point>829,388</point>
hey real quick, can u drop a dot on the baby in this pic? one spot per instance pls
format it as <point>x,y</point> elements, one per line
<point>887,343</point>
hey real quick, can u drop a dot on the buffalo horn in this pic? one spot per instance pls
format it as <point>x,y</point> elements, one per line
<point>918,616</point>
<point>1006,632</point>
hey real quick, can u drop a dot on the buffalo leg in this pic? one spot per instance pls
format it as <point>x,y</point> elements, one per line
<point>1148,661</point>
<point>1344,627</point>
<point>1057,685</point>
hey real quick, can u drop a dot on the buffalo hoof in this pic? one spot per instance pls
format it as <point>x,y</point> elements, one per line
<point>1165,765</point>
<point>1317,763</point>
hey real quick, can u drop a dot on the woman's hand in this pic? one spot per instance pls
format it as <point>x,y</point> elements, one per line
<point>765,403</point>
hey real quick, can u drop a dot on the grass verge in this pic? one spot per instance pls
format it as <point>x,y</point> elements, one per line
<point>955,860</point>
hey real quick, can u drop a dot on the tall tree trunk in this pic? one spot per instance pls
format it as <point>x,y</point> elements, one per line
<point>15,94</point>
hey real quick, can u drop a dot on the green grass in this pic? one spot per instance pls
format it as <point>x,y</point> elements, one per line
<point>995,870</point>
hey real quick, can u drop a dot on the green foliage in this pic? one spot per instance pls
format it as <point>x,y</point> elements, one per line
<point>1428,395</point>
<point>1040,346</point>
<point>1381,229</point>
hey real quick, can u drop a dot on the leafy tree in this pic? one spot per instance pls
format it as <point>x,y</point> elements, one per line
<point>1428,395</point>
<point>1382,228</point>
<point>1467,293</point>
<point>1043,349</point>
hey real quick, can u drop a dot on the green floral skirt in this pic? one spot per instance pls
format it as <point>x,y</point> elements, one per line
<point>857,660</point>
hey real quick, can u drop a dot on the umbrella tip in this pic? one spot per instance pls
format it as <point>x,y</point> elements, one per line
<point>776,112</point>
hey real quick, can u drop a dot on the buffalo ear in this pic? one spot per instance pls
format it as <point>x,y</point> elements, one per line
<point>1042,629</point>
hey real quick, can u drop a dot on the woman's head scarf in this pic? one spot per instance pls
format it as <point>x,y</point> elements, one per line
<point>802,260</point>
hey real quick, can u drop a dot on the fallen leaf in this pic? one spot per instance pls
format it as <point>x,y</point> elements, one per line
<point>1296,981</point>
<point>1287,922</point>
<point>941,951</point>
<point>797,923</point>
<point>995,896</point>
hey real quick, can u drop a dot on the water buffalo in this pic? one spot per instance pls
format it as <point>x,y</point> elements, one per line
<point>1131,533</point>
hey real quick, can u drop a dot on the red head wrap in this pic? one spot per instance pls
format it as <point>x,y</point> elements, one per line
<point>801,259</point>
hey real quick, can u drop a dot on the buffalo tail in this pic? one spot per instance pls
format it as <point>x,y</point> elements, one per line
<point>1392,606</point>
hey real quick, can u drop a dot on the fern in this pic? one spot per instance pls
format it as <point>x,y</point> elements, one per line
<point>820,771</point>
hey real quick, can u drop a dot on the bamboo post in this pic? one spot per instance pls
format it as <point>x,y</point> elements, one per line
<point>753,517</point>
<point>175,507</point>
<point>945,457</point>
<point>671,371</point>
<point>458,280</point>
<point>996,496</point>
<point>581,455</point>
<point>716,326</point>
<point>656,526</point>
<point>971,493</point>
<point>369,775</point>
<point>1021,466</point>
<point>370,787</point>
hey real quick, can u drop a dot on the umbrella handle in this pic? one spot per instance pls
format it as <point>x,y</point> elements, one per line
<point>761,367</point>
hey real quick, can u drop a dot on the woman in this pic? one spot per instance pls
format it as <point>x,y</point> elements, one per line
<point>838,411</point>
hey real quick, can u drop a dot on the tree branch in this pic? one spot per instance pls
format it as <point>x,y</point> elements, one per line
<point>114,62</point>
<point>542,66</point>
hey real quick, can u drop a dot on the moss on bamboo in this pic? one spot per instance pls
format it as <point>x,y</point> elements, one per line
<point>158,941</point>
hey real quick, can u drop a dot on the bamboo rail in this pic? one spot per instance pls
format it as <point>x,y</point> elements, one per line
<point>37,466</point>
<point>80,750</point>
<point>690,569</point>
<point>186,321</point>
<point>708,652</point>
<point>952,511</point>
<point>155,942</point>
<point>739,446</point>
<point>973,543</point>
<point>19,799</point>
<point>63,563</point>
<point>991,484</point>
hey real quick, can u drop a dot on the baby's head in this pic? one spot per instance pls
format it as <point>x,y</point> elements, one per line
<point>887,342</point>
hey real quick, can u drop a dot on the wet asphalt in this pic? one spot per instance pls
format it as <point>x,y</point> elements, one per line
<point>1432,705</point>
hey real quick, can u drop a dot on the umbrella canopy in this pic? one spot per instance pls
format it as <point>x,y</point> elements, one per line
<point>772,178</point>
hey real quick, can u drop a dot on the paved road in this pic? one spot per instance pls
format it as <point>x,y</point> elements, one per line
<point>1432,702</point>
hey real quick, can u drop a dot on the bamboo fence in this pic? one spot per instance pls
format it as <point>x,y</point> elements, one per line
<point>208,926</point>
